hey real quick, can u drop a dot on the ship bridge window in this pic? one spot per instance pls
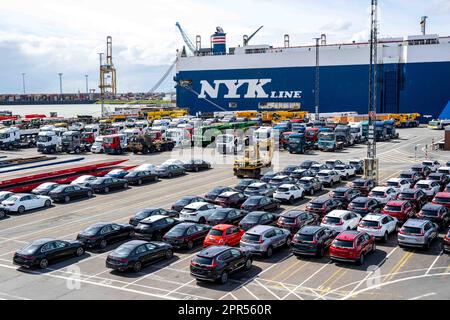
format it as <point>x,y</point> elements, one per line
<point>423,42</point>
<point>253,51</point>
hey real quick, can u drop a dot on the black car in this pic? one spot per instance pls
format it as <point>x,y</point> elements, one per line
<point>244,183</point>
<point>214,193</point>
<point>412,176</point>
<point>323,205</point>
<point>226,216</point>
<point>364,205</point>
<point>135,254</point>
<point>255,218</point>
<point>312,240</point>
<point>289,170</point>
<point>196,165</point>
<point>154,227</point>
<point>293,220</point>
<point>345,195</point>
<point>269,176</point>
<point>41,253</point>
<point>363,185</point>
<point>436,213</point>
<point>105,184</point>
<point>67,192</point>
<point>139,177</point>
<point>170,171</point>
<point>186,235</point>
<point>422,170</point>
<point>148,212</point>
<point>280,180</point>
<point>307,164</point>
<point>442,178</point>
<point>216,263</point>
<point>3,212</point>
<point>186,200</point>
<point>260,203</point>
<point>45,188</point>
<point>103,233</point>
<point>302,173</point>
<point>417,197</point>
<point>231,199</point>
<point>358,165</point>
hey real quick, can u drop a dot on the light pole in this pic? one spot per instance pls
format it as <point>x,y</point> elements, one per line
<point>87,85</point>
<point>60,84</point>
<point>100,54</point>
<point>23,82</point>
<point>317,82</point>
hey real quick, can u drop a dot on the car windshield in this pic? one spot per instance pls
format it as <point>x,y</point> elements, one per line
<point>251,218</point>
<point>430,213</point>
<point>340,167</point>
<point>189,210</point>
<point>411,230</point>
<point>29,249</point>
<point>393,208</point>
<point>215,232</point>
<point>46,186</point>
<point>369,223</point>
<point>339,194</point>
<point>354,163</point>
<point>216,191</point>
<point>177,231</point>
<point>183,201</point>
<point>288,219</point>
<point>359,204</point>
<point>219,214</point>
<point>222,198</point>
<point>326,137</point>
<point>13,199</point>
<point>252,201</point>
<point>43,139</point>
<point>378,194</point>
<point>422,186</point>
<point>303,182</point>
<point>442,199</point>
<point>203,260</point>
<point>304,237</point>
<point>253,188</point>
<point>323,174</point>
<point>332,220</point>
<point>343,244</point>
<point>251,237</point>
<point>91,230</point>
<point>142,214</point>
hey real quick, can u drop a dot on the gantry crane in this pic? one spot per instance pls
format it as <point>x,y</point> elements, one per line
<point>108,84</point>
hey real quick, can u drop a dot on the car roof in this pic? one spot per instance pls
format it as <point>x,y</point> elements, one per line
<point>432,206</point>
<point>212,251</point>
<point>326,171</point>
<point>360,180</point>
<point>228,194</point>
<point>342,189</point>
<point>42,241</point>
<point>186,224</point>
<point>361,200</point>
<point>425,181</point>
<point>292,213</point>
<point>310,229</point>
<point>443,194</point>
<point>437,174</point>
<point>337,213</point>
<point>417,223</point>
<point>260,229</point>
<point>280,176</point>
<point>154,218</point>
<point>348,235</point>
<point>382,189</point>
<point>222,227</point>
<point>306,178</point>
<point>134,243</point>
<point>396,203</point>
<point>256,197</point>
<point>257,213</point>
<point>195,205</point>
<point>100,224</point>
<point>409,190</point>
<point>287,185</point>
<point>258,184</point>
<point>321,199</point>
<point>374,217</point>
<point>395,179</point>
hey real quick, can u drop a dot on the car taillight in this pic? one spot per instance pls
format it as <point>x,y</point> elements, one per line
<point>340,223</point>
<point>91,238</point>
<point>324,220</point>
<point>261,240</point>
<point>124,260</point>
<point>29,257</point>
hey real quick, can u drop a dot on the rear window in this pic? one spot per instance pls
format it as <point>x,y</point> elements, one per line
<point>430,213</point>
<point>369,224</point>
<point>407,195</point>
<point>422,186</point>
<point>343,244</point>
<point>359,205</point>
<point>406,175</point>
<point>215,232</point>
<point>359,183</point>
<point>222,198</point>
<point>379,194</point>
<point>442,200</point>
<point>287,220</point>
<point>392,184</point>
<point>338,194</point>
<point>283,189</point>
<point>411,230</point>
<point>203,260</point>
<point>393,208</point>
<point>251,237</point>
<point>304,237</point>
<point>316,205</point>
<point>332,220</point>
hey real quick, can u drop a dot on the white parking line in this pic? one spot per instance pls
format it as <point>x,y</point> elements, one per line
<point>434,262</point>
<point>423,296</point>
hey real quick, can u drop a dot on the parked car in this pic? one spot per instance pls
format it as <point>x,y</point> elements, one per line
<point>417,197</point>
<point>447,188</point>
<point>329,177</point>
<point>21,202</point>
<point>424,171</point>
<point>117,173</point>
<point>445,170</point>
<point>358,165</point>
<point>277,181</point>
<point>186,200</point>
<point>103,233</point>
<point>302,173</point>
<point>345,195</point>
<point>323,205</point>
<point>363,185</point>
<point>230,199</point>
<point>434,165</point>
<point>399,184</point>
<point>352,246</point>
<point>442,198</point>
<point>312,240</point>
<point>198,212</point>
<point>40,253</point>
<point>417,233</point>
<point>106,184</point>
<point>84,180</point>
<point>364,205</point>
<point>431,188</point>
<point>402,210</point>
<point>446,242</point>
<point>293,220</point>
<point>186,235</point>
<point>66,192</point>
<point>441,178</point>
<point>289,192</point>
<point>255,218</point>
<point>260,203</point>
<point>378,225</point>
<point>383,194</point>
<point>269,176</point>
<point>411,176</point>
<point>154,227</point>
<point>223,235</point>
<point>333,163</point>
<point>311,185</point>
<point>136,254</point>
<point>226,216</point>
<point>170,171</point>
<point>148,212</point>
<point>316,168</point>
<point>146,167</point>
<point>264,239</point>
<point>244,183</point>
<point>216,263</point>
<point>345,171</point>
<point>340,220</point>
<point>196,165</point>
<point>307,164</point>
<point>43,189</point>
<point>259,189</point>
<point>436,213</point>
<point>214,193</point>
<point>139,177</point>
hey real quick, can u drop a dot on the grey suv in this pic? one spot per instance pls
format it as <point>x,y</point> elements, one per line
<point>264,239</point>
<point>417,233</point>
<point>259,189</point>
<point>310,184</point>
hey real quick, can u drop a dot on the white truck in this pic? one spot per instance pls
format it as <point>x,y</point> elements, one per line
<point>179,136</point>
<point>97,146</point>
<point>50,139</point>
<point>228,144</point>
<point>13,137</point>
<point>93,128</point>
<point>356,130</point>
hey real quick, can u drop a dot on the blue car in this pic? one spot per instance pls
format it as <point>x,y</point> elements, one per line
<point>117,173</point>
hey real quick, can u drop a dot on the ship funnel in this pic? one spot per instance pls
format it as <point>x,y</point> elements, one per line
<point>219,42</point>
<point>323,39</point>
<point>286,41</point>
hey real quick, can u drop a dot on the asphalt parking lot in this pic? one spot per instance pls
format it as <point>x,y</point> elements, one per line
<point>390,273</point>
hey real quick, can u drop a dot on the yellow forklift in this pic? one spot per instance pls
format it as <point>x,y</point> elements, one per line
<point>257,160</point>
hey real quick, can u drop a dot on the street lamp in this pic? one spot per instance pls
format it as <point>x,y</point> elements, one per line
<point>87,86</point>
<point>60,83</point>
<point>23,82</point>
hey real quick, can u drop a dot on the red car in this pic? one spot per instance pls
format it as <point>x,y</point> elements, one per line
<point>223,235</point>
<point>442,198</point>
<point>400,209</point>
<point>352,246</point>
<point>417,197</point>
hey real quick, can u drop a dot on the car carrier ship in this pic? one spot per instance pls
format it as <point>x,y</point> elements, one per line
<point>413,76</point>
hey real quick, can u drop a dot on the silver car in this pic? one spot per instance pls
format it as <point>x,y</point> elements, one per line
<point>264,239</point>
<point>329,177</point>
<point>259,189</point>
<point>417,233</point>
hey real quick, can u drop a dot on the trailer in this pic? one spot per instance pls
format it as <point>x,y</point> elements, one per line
<point>15,138</point>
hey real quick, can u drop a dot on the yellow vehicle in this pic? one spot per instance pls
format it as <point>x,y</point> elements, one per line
<point>172,113</point>
<point>276,116</point>
<point>246,114</point>
<point>257,160</point>
<point>61,125</point>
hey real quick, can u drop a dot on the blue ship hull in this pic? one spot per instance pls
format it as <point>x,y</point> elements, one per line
<point>402,88</point>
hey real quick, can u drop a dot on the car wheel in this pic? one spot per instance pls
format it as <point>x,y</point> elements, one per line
<point>170,176</point>
<point>269,252</point>
<point>89,194</point>
<point>248,264</point>
<point>43,264</point>
<point>139,182</point>
<point>21,209</point>
<point>137,266</point>
<point>321,252</point>
<point>103,244</point>
<point>385,237</point>
<point>169,254</point>
<point>288,242</point>
<point>321,187</point>
<point>224,277</point>
<point>106,189</point>
<point>311,192</point>
<point>190,244</point>
<point>125,185</point>
<point>202,220</point>
<point>2,214</point>
<point>361,260</point>
<point>374,248</point>
<point>80,251</point>
<point>427,245</point>
<point>291,200</point>
<point>47,203</point>
<point>66,199</point>
<point>196,169</point>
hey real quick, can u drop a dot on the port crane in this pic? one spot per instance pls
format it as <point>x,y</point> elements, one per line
<point>247,38</point>
<point>186,39</point>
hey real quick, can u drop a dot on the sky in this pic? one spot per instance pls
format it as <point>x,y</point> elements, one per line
<point>43,38</point>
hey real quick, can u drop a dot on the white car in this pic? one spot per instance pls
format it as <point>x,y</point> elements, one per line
<point>398,184</point>
<point>97,146</point>
<point>383,194</point>
<point>430,187</point>
<point>345,170</point>
<point>445,170</point>
<point>22,202</point>
<point>378,225</point>
<point>329,177</point>
<point>289,192</point>
<point>198,212</point>
<point>341,220</point>
<point>432,164</point>
<point>146,167</point>
<point>5,195</point>
<point>333,162</point>
<point>84,179</point>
